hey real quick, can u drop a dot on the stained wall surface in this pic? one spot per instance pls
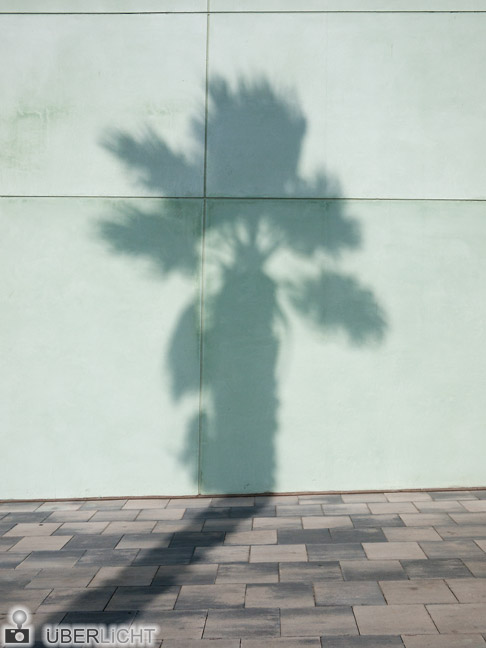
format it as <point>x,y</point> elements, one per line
<point>243,246</point>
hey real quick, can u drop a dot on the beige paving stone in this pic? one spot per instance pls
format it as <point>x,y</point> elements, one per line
<point>462,618</point>
<point>319,621</point>
<point>262,537</point>
<point>120,528</point>
<point>200,597</point>
<point>408,497</point>
<point>393,551</point>
<point>462,531</point>
<point>32,529</point>
<point>185,575</point>
<point>475,506</point>
<point>278,553</point>
<point>73,528</point>
<point>117,516</point>
<point>449,506</point>
<point>19,507</point>
<point>354,498</point>
<point>60,506</point>
<point>425,519</point>
<point>277,523</point>
<point>143,503</point>
<point>190,502</point>
<point>228,554</point>
<point>476,567</point>
<point>245,623</point>
<point>71,516</point>
<point>346,509</point>
<point>372,569</point>
<point>444,641</point>
<point>161,514</point>
<point>469,518</point>
<point>481,544</point>
<point>407,534</point>
<point>115,576</point>
<point>281,595</point>
<point>393,619</point>
<point>392,507</point>
<point>41,543</point>
<point>418,591</point>
<point>177,624</point>
<point>468,590</point>
<point>326,522</point>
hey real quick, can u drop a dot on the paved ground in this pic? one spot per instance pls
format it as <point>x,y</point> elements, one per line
<point>339,571</point>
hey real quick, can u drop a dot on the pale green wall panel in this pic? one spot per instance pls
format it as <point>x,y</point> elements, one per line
<point>384,105</point>
<point>344,345</point>
<point>99,380</point>
<point>71,84</point>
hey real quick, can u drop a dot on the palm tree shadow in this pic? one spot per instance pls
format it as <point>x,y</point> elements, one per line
<point>255,138</point>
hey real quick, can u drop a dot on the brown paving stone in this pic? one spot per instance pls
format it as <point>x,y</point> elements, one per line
<point>327,522</point>
<point>319,621</point>
<point>468,590</point>
<point>394,551</point>
<point>348,593</point>
<point>417,591</point>
<point>461,618</point>
<point>281,595</point>
<point>143,598</point>
<point>444,641</point>
<point>406,534</point>
<point>278,553</point>
<point>115,576</point>
<point>243,623</point>
<point>199,597</point>
<point>248,573</point>
<point>393,619</point>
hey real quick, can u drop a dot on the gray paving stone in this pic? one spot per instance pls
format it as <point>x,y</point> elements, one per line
<point>451,549</point>
<point>76,528</point>
<point>32,529</point>
<point>257,537</point>
<point>444,641</point>
<point>393,619</point>
<point>16,578</point>
<point>393,507</point>
<point>460,618</point>
<point>108,557</point>
<point>281,595</point>
<point>452,495</point>
<point>125,617</point>
<point>186,574</point>
<point>414,534</point>
<point>198,597</point>
<point>190,502</point>
<point>248,573</point>
<point>449,506</point>
<point>222,554</point>
<point>177,556</point>
<point>426,519</point>
<point>40,543</point>
<point>103,505</point>
<point>143,540</point>
<point>364,497</point>
<point>348,509</point>
<point>299,510</point>
<point>303,536</point>
<point>97,541</point>
<point>16,596</point>
<point>258,623</point>
<point>373,570</point>
<point>227,524</point>
<point>395,550</point>
<point>201,643</point>
<point>204,514</point>
<point>160,515</point>
<point>327,522</point>
<point>277,523</point>
<point>348,593</point>
<point>462,531</point>
<point>417,591</point>
<point>382,641</point>
<point>78,599</point>
<point>469,518</point>
<point>387,520</point>
<point>222,502</point>
<point>357,535</point>
<point>295,642</point>
<point>61,505</point>
<point>321,499</point>
<point>116,576</point>
<point>70,516</point>
<point>146,503</point>
<point>50,559</point>
<point>175,624</point>
<point>118,516</point>
<point>320,621</point>
<point>197,539</point>
<point>279,553</point>
<point>468,590</point>
<point>18,507</point>
<point>6,543</point>
<point>476,567</point>
<point>310,572</point>
<point>341,551</point>
<point>446,568</point>
<point>120,528</point>
<point>143,598</point>
<point>62,577</point>
<point>410,496</point>
<point>33,516</point>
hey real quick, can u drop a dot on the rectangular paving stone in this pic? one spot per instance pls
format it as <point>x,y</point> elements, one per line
<point>174,624</point>
<point>452,495</point>
<point>358,535</point>
<point>61,506</point>
<point>104,504</point>
<point>469,518</point>
<point>481,544</point>
<point>372,570</point>
<point>467,590</point>
<point>15,596</point>
<point>394,551</point>
<point>196,539</point>
<point>116,576</point>
<point>62,577</point>
<point>418,496</point>
<point>190,502</point>
<point>6,543</point>
<point>198,597</point>
<point>50,559</point>
<point>143,540</point>
<point>160,514</point>
<point>346,509</point>
<point>393,507</point>
<point>174,526</point>
<point>299,510</point>
<point>451,549</point>
<point>108,557</point>
<point>461,618</point>
<point>76,599</point>
<point>18,507</point>
<point>327,522</point>
<point>441,568</point>
<point>120,528</point>
<point>277,523</point>
<point>205,513</point>
<point>426,519</point>
<point>222,502</point>
<point>414,534</point>
<point>393,619</point>
<point>384,520</point>
<point>257,537</point>
<point>186,574</point>
<point>444,641</point>
<point>303,536</point>
<point>110,516</point>
<point>243,623</point>
<point>248,573</point>
<point>35,516</point>
<point>381,641</point>
<point>76,528</point>
<point>348,593</point>
<point>462,531</point>
<point>335,551</point>
<point>125,617</point>
<point>16,577</point>
<point>475,506</point>
<point>71,516</point>
<point>278,553</point>
<point>276,499</point>
<point>295,642</point>
<point>323,498</point>
<point>310,572</point>
<point>97,541</point>
<point>449,506</point>
<point>221,554</point>
<point>177,556</point>
<point>32,529</point>
<point>476,567</point>
<point>417,591</point>
<point>143,598</point>
<point>40,543</point>
<point>364,497</point>
<point>202,643</point>
<point>145,503</point>
<point>281,595</point>
<point>319,621</point>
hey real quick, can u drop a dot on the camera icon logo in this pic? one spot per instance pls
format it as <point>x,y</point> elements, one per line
<point>19,635</point>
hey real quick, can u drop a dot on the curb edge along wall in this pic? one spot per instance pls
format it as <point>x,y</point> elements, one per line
<point>341,192</point>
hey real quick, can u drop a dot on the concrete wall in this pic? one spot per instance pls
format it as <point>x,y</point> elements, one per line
<point>243,250</point>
